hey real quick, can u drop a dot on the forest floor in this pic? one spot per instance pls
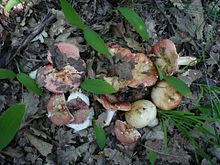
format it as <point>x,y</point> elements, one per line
<point>29,31</point>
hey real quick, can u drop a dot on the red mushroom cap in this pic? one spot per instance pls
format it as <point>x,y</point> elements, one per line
<point>62,112</point>
<point>58,111</point>
<point>125,133</point>
<point>165,96</point>
<point>110,102</point>
<point>166,56</point>
<point>66,79</point>
<point>79,109</point>
<point>144,73</point>
<point>70,50</point>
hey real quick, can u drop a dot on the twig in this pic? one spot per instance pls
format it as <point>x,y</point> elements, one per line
<point>37,30</point>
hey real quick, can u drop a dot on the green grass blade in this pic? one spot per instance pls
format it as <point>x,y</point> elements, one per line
<point>6,74</point>
<point>29,83</point>
<point>98,86</point>
<point>10,122</point>
<point>165,137</point>
<point>197,146</point>
<point>152,156</point>
<point>96,42</point>
<point>71,15</point>
<point>161,76</point>
<point>100,136</point>
<point>179,85</point>
<point>135,20</point>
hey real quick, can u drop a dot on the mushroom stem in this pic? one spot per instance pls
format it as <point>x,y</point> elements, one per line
<point>187,60</point>
<point>109,116</point>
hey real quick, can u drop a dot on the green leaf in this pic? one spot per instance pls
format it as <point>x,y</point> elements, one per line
<point>152,156</point>
<point>71,15</point>
<point>95,41</point>
<point>179,85</point>
<point>6,74</point>
<point>135,20</point>
<point>29,83</point>
<point>10,122</point>
<point>98,86</point>
<point>11,3</point>
<point>100,136</point>
<point>161,76</point>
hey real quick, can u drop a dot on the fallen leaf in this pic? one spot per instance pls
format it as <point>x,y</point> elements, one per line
<point>190,75</point>
<point>190,21</point>
<point>71,154</point>
<point>43,147</point>
<point>134,44</point>
<point>2,102</point>
<point>32,101</point>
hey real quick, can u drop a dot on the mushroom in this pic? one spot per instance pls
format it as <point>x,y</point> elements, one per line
<point>74,112</point>
<point>111,104</point>
<point>143,73</point>
<point>165,96</point>
<point>143,113</point>
<point>65,71</point>
<point>125,133</point>
<point>58,111</point>
<point>166,57</point>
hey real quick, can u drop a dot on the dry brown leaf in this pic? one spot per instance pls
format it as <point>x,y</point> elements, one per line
<point>190,19</point>
<point>32,101</point>
<point>43,147</point>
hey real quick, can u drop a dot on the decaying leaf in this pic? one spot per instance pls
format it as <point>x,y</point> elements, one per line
<point>174,154</point>
<point>32,101</point>
<point>70,154</point>
<point>43,147</point>
<point>117,157</point>
<point>190,75</point>
<point>190,19</point>
<point>153,134</point>
<point>2,102</point>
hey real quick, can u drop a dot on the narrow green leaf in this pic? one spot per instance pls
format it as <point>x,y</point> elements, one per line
<point>11,3</point>
<point>29,83</point>
<point>95,41</point>
<point>152,156</point>
<point>6,74</point>
<point>161,76</point>
<point>100,136</point>
<point>98,86</point>
<point>71,15</point>
<point>135,20</point>
<point>10,122</point>
<point>179,85</point>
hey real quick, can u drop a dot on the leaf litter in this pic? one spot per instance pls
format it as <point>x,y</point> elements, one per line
<point>64,146</point>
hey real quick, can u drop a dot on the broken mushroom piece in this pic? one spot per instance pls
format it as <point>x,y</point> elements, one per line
<point>74,113</point>
<point>62,81</point>
<point>165,96</point>
<point>111,104</point>
<point>143,113</point>
<point>78,105</point>
<point>125,133</point>
<point>166,57</point>
<point>140,69</point>
<point>58,111</point>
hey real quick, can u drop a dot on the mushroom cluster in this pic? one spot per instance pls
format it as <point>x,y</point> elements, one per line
<point>66,69</point>
<point>142,113</point>
<point>61,76</point>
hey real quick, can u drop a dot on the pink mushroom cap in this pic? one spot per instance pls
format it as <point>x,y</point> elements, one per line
<point>125,133</point>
